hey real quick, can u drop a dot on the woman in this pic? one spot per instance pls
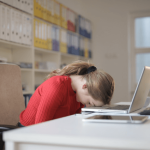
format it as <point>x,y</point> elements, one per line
<point>66,91</point>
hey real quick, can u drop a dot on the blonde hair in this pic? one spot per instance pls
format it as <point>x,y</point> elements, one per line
<point>100,84</point>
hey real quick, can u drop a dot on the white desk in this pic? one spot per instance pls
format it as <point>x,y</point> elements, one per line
<point>70,133</point>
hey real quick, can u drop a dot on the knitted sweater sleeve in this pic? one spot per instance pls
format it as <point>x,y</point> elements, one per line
<point>51,98</point>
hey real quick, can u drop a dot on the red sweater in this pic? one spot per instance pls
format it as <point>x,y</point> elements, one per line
<point>53,99</point>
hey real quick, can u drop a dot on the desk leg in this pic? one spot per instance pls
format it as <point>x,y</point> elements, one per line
<point>10,145</point>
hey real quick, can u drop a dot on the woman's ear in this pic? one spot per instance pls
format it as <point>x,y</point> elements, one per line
<point>84,86</point>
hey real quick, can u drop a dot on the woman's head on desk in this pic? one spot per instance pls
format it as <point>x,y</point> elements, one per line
<point>93,87</point>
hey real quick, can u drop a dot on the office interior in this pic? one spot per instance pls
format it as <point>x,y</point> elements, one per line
<point>112,43</point>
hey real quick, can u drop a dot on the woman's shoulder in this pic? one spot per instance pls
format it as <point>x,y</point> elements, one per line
<point>58,79</point>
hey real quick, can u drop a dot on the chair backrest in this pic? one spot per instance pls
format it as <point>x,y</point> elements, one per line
<point>11,96</point>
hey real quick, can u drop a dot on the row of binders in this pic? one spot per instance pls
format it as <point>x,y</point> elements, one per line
<point>56,13</point>
<point>24,5</point>
<point>15,25</point>
<point>52,37</point>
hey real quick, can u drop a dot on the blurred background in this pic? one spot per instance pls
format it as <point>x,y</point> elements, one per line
<point>116,39</point>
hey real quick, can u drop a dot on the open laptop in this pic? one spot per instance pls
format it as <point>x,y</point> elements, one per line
<point>138,100</point>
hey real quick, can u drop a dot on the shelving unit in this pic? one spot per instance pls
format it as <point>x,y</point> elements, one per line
<point>16,53</point>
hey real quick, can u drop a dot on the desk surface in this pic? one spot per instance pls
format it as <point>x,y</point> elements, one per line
<point>71,131</point>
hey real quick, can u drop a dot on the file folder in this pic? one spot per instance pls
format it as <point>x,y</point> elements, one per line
<point>86,48</point>
<point>69,43</point>
<point>63,41</point>
<point>24,29</point>
<point>57,38</point>
<point>3,21</point>
<point>20,27</point>
<point>63,16</point>
<point>53,38</point>
<point>49,10</point>
<point>49,36</point>
<point>29,29</point>
<point>76,44</point>
<point>52,4</point>
<point>8,23</point>
<point>81,46</point>
<point>0,22</point>
<point>29,6</point>
<point>44,5</point>
<point>12,37</point>
<point>40,33</point>
<point>36,8</point>
<point>40,8</point>
<point>57,13</point>
<point>36,33</point>
<point>45,36</point>
<point>89,48</point>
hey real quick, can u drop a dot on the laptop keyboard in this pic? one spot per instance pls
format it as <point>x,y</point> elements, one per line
<point>120,107</point>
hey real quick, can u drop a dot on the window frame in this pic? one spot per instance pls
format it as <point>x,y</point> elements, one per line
<point>132,51</point>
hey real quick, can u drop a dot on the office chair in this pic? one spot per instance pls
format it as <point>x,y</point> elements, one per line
<point>11,98</point>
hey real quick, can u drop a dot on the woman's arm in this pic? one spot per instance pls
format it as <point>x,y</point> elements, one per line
<point>51,98</point>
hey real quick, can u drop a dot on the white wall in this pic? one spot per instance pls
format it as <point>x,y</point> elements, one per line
<point>110,41</point>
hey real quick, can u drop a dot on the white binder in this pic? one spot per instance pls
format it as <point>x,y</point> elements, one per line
<point>20,27</point>
<point>0,21</point>
<point>24,29</point>
<point>8,22</point>
<point>30,6</point>
<point>3,22</point>
<point>29,29</point>
<point>12,37</point>
<point>17,26</point>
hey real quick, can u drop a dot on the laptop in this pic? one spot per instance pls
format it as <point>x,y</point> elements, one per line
<point>138,100</point>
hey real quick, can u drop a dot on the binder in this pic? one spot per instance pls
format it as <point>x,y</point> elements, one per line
<point>63,41</point>
<point>40,8</point>
<point>29,6</point>
<point>36,32</point>
<point>57,13</point>
<point>8,23</point>
<point>72,44</point>
<point>53,38</point>
<point>49,37</point>
<point>45,36</point>
<point>36,8</point>
<point>86,48</point>
<point>81,46</point>
<point>0,21</point>
<point>69,43</point>
<point>57,38</point>
<point>29,29</point>
<point>52,4</point>
<point>76,44</point>
<point>49,10</point>
<point>3,21</point>
<point>12,37</point>
<point>17,25</point>
<point>40,33</point>
<point>20,27</point>
<point>89,48</point>
<point>24,29</point>
<point>63,16</point>
<point>44,16</point>
<point>68,19</point>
